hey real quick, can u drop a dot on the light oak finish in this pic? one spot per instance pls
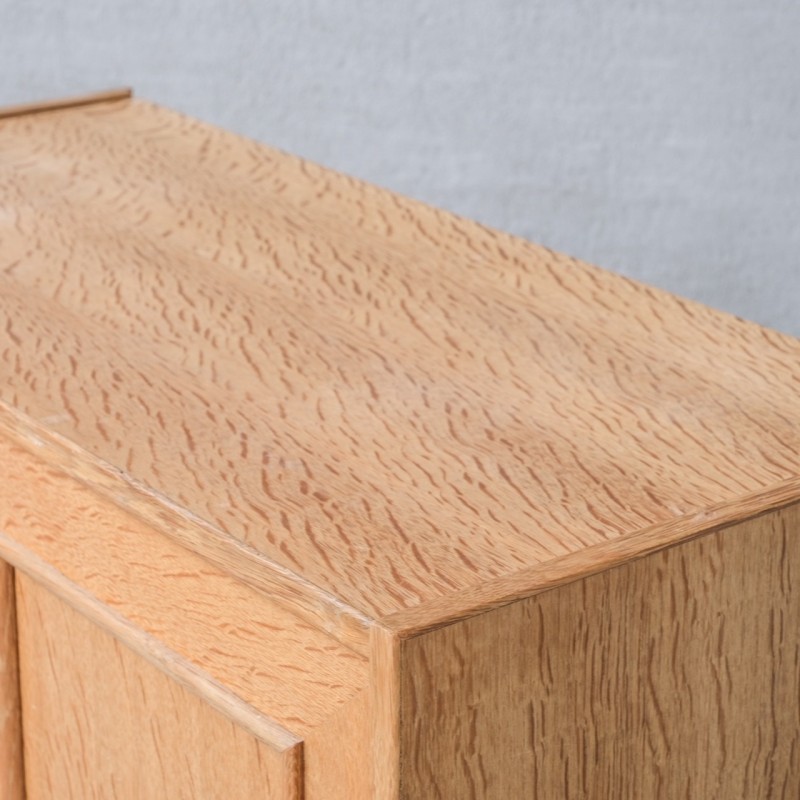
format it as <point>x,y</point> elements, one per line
<point>173,596</point>
<point>278,678</point>
<point>11,773</point>
<point>339,755</point>
<point>416,508</point>
<point>101,722</point>
<point>318,607</point>
<point>673,676</point>
<point>561,571</point>
<point>381,398</point>
<point>386,713</point>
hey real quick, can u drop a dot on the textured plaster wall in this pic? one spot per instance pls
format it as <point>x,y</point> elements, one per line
<point>660,139</point>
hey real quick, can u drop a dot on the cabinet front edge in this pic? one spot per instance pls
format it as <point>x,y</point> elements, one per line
<point>612,553</point>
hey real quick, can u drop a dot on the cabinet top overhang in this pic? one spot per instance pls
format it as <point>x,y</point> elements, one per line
<point>377,400</point>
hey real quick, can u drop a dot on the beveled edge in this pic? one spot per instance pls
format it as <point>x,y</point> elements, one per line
<point>489,595</point>
<point>303,598</point>
<point>184,672</point>
<point>58,104</point>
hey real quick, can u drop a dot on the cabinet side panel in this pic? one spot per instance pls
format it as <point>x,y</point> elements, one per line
<point>100,721</point>
<point>11,783</point>
<point>674,676</point>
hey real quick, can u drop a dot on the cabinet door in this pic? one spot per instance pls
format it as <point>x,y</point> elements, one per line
<point>101,721</point>
<point>11,781</point>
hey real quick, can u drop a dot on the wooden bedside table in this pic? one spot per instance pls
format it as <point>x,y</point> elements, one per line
<point>308,490</point>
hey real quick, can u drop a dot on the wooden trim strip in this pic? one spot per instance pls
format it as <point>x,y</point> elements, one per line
<point>386,667</point>
<point>533,580</point>
<point>298,595</point>
<point>148,647</point>
<point>107,96</point>
<point>12,773</point>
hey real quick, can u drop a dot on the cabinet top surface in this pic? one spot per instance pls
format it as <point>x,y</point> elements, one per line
<point>392,402</point>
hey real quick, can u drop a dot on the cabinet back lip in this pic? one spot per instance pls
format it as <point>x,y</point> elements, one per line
<point>59,104</point>
<point>489,595</point>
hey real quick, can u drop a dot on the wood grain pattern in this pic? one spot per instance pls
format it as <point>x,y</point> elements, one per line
<point>312,489</point>
<point>339,756</point>
<point>674,676</point>
<point>386,400</point>
<point>101,722</point>
<point>386,719</point>
<point>179,670</point>
<point>11,774</point>
<point>318,607</point>
<point>583,563</point>
<point>285,669</point>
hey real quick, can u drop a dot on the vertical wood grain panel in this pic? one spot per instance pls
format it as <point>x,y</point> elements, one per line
<point>338,755</point>
<point>101,722</point>
<point>354,754</point>
<point>386,713</point>
<point>11,776</point>
<point>675,676</point>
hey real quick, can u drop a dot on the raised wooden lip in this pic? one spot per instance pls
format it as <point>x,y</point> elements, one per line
<point>489,595</point>
<point>300,596</point>
<point>105,96</point>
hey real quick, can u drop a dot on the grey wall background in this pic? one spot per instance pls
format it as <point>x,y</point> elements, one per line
<point>660,139</point>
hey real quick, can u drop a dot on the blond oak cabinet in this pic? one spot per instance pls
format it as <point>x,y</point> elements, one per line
<point>310,491</point>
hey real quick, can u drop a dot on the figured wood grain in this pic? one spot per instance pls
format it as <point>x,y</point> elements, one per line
<point>317,607</point>
<point>583,563</point>
<point>179,670</point>
<point>309,461</point>
<point>101,722</point>
<point>282,667</point>
<point>11,773</point>
<point>392,403</point>
<point>676,675</point>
